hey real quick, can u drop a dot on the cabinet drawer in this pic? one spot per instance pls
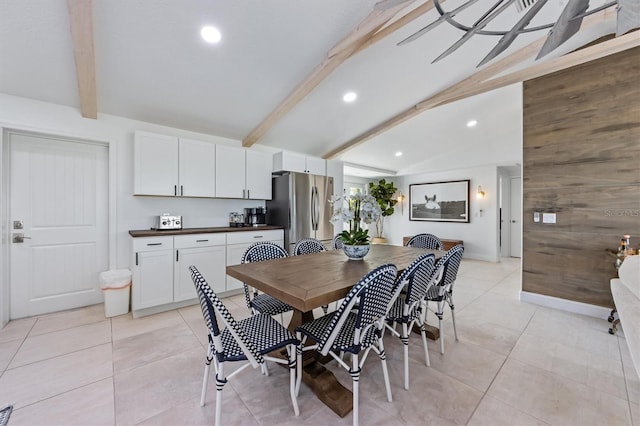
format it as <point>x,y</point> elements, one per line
<point>243,237</point>
<point>152,243</point>
<point>199,240</point>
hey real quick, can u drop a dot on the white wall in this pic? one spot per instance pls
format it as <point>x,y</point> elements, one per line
<point>131,212</point>
<point>480,235</point>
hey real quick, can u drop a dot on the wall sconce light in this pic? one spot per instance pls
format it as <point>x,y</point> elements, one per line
<point>400,199</point>
<point>480,194</point>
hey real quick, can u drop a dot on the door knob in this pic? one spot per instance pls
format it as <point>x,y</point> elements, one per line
<point>19,238</point>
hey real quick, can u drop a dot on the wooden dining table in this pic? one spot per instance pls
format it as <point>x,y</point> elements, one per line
<point>313,280</point>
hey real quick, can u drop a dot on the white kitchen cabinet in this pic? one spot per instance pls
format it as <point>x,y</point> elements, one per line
<point>258,175</point>
<point>207,252</point>
<point>196,170</point>
<point>242,173</point>
<point>152,268</point>
<point>293,162</point>
<point>155,165</point>
<point>170,166</point>
<point>238,242</point>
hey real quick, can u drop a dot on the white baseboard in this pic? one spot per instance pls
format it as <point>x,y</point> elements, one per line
<point>484,258</point>
<point>565,305</point>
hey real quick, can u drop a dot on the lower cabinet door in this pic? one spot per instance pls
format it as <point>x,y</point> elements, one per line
<point>210,261</point>
<point>234,257</point>
<point>153,279</point>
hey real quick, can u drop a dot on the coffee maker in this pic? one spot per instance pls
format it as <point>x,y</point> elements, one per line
<point>255,216</point>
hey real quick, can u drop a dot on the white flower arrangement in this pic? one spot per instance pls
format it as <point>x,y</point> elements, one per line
<point>355,209</point>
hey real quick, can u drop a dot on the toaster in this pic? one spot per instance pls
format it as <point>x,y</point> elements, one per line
<point>167,221</point>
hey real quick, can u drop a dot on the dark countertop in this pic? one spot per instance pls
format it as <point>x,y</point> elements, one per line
<point>187,231</point>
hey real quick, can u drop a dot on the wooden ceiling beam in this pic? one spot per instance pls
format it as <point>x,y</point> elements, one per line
<point>479,82</point>
<point>352,43</point>
<point>81,22</point>
<point>578,57</point>
<point>397,24</point>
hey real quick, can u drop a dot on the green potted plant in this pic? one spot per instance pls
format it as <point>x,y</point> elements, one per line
<point>383,192</point>
<point>355,209</point>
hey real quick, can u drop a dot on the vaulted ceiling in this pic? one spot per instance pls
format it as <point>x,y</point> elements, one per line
<point>151,65</point>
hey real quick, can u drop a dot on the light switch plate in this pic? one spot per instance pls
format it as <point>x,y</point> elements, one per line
<point>536,216</point>
<point>548,218</point>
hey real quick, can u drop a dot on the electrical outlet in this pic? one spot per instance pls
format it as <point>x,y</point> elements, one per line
<point>536,216</point>
<point>548,218</point>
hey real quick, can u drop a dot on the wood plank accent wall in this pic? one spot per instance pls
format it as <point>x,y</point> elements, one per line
<point>581,160</point>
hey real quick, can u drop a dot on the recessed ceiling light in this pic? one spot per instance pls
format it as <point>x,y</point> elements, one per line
<point>349,97</point>
<point>472,123</point>
<point>210,34</point>
<point>399,154</point>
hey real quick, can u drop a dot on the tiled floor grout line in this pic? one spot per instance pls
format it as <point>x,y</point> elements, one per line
<point>498,372</point>
<point>626,382</point>
<point>24,339</point>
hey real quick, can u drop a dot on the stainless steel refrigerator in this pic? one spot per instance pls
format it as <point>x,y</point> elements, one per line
<point>300,204</point>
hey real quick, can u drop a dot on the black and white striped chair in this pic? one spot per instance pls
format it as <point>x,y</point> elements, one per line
<point>445,273</point>
<point>261,302</point>
<point>407,309</point>
<point>250,340</point>
<point>347,331</point>
<point>337,242</point>
<point>308,246</point>
<point>426,241</point>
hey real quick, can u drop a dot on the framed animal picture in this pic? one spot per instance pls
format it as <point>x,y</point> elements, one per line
<point>440,201</point>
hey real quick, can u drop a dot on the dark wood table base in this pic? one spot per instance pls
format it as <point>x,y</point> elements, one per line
<point>321,381</point>
<point>433,333</point>
<point>326,387</point>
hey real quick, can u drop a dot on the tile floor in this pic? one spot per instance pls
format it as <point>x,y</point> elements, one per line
<point>514,364</point>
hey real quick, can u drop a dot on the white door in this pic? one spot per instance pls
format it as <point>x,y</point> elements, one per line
<point>515,215</point>
<point>59,197</point>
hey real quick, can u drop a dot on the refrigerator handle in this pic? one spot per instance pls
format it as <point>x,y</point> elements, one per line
<point>315,208</point>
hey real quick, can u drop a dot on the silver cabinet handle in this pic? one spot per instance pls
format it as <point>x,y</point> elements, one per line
<point>201,241</point>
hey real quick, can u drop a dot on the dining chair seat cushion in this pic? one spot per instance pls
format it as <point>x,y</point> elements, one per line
<point>344,341</point>
<point>267,336</point>
<point>266,304</point>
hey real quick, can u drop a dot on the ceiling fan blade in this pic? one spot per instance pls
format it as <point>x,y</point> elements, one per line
<point>443,17</point>
<point>509,37</point>
<point>477,27</point>
<point>628,16</point>
<point>565,26</point>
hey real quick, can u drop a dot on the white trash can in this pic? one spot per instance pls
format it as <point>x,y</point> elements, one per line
<point>116,286</point>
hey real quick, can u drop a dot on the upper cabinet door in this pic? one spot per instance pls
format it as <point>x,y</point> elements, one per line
<point>258,175</point>
<point>230,172</point>
<point>292,162</point>
<point>289,161</point>
<point>155,164</point>
<point>316,166</point>
<point>197,168</point>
